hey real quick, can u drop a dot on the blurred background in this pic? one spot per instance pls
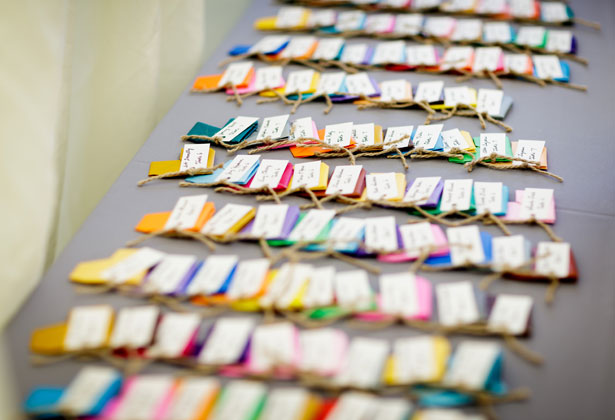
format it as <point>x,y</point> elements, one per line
<point>82,85</point>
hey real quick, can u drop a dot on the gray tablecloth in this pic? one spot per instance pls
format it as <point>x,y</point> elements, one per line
<point>575,334</point>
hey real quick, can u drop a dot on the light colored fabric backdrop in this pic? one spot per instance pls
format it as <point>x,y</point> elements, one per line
<point>82,84</point>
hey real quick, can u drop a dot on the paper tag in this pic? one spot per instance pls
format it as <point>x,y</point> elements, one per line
<point>492,7</point>
<point>346,231</point>
<point>269,173</point>
<point>88,327</point>
<point>547,67</point>
<point>134,327</point>
<point>189,398</point>
<point>241,400</point>
<point>354,53</point>
<point>174,333</point>
<point>378,23</point>
<point>321,350</point>
<point>328,49</point>
<point>395,90</point>
<point>225,219</point>
<point>330,83</point>
<point>461,95</point>
<point>509,252</point>
<point>273,128</point>
<point>497,32</point>
<point>553,259</point>
<point>321,18</point>
<point>554,11</point>
<point>408,24</point>
<point>421,189</point>
<point>488,197</point>
<point>268,78</point>
<point>303,128</point>
<point>248,279</point>
<point>422,55</point>
<point>490,101</point>
<point>517,63</point>
<point>487,58</point>
<point>269,221</point>
<point>529,150</point>
<point>194,156</point>
<point>440,26</point>
<point>465,245</point>
<point>472,364</point>
<point>344,179</point>
<point>510,313</point>
<point>381,234</point>
<point>429,92</point>
<point>353,405</point>
<point>298,46</point>
<point>453,139</point>
<point>285,403</point>
<point>559,41</point>
<point>269,44</point>
<point>456,195</point>
<point>492,143</point>
<point>363,134</point>
<point>415,359</point>
<point>381,186</point>
<point>136,263</point>
<point>272,345</point>
<point>359,84</point>
<point>169,273</point>
<point>536,203</point>
<point>364,363</point>
<point>532,36</point>
<point>289,282</point>
<point>338,134</point>
<point>299,81</point>
<point>352,290</point>
<point>398,294</point>
<point>427,136</point>
<point>227,341</point>
<point>417,238</point>
<point>467,30</point>
<point>235,73</point>
<point>456,303</point>
<point>390,52</point>
<point>349,20</point>
<point>235,128</point>
<point>311,225</point>
<point>143,399</point>
<point>212,275</point>
<point>306,175</point>
<point>289,17</point>
<point>392,409</point>
<point>87,388</point>
<point>319,291</point>
<point>456,58</point>
<point>425,4</point>
<point>523,8</point>
<point>396,133</point>
<point>186,212</point>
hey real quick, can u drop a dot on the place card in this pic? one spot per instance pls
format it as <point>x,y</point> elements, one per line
<point>311,225</point>
<point>171,274</point>
<point>352,20</point>
<point>347,180</point>
<point>290,280</point>
<point>489,197</point>
<point>554,12</point>
<point>379,23</point>
<point>331,83</point>
<point>390,52</point>
<point>240,170</point>
<point>303,128</point>
<point>559,41</point>
<point>268,78</point>
<point>417,238</point>
<point>319,291</point>
<point>467,30</point>
<point>270,173</point>
<point>429,92</point>
<point>389,186</point>
<point>236,74</point>
<point>88,327</point>
<point>134,327</point>
<point>352,290</point>
<point>193,398</point>
<point>531,150</point>
<point>396,133</point>
<point>360,84</point>
<point>144,397</point>
<point>290,17</point>
<point>90,391</point>
<point>346,234</point>
<point>270,44</point>
<point>497,33</point>
<point>548,67</point>
<point>456,303</point>
<point>395,91</point>
<point>234,131</point>
<point>510,314</point>
<point>249,278</point>
<point>353,405</point>
<point>472,364</point>
<point>492,7</point>
<point>459,58</point>
<point>214,275</point>
<point>392,408</point>
<point>328,49</point>
<point>439,27</point>
<point>240,400</point>
<point>311,175</point>
<point>354,53</point>
<point>364,364</point>
<point>299,46</point>
<point>322,18</point>
<point>227,341</point>
<point>509,252</point>
<point>425,191</point>
<point>273,128</point>
<point>301,81</point>
<point>537,203</point>
<point>186,212</point>
<point>490,101</point>
<point>488,59</point>
<point>465,245</point>
<point>174,335</point>
<point>338,134</point>
<point>518,64</point>
<point>273,346</point>
<point>532,36</point>
<point>453,139</point>
<point>416,360</point>
<point>399,295</point>
<point>408,24</point>
<point>195,156</point>
<point>553,259</point>
<point>456,195</point>
<point>230,219</point>
<point>428,137</point>
<point>273,221</point>
<point>286,403</point>
<point>364,134</point>
<point>322,351</point>
<point>127,268</point>
<point>422,55</point>
<point>496,143</point>
<point>461,95</point>
<point>381,234</point>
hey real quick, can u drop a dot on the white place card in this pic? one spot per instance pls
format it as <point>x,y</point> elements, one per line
<point>328,49</point>
<point>354,53</point>
<point>487,59</point>
<point>553,259</point>
<point>227,341</point>
<point>490,101</point>
<point>344,179</point>
<point>378,23</point>
<point>510,313</point>
<point>554,11</point>
<point>492,143</point>
<point>364,363</point>
<point>306,175</point>
<point>509,252</point>
<point>269,221</point>
<point>248,279</point>
<point>269,44</point>
<point>269,173</point>
<point>303,128</point>
<point>421,55</point>
<point>467,30</point>
<point>456,195</point>
<point>456,58</point>
<point>235,128</point>
<point>87,388</point>
<point>168,275</point>
<point>346,231</point>
<point>359,84</point>
<point>299,81</point>
<point>285,403</point>
<point>290,16</point>
<point>350,20</point>
<point>532,36</point>
<point>390,52</point>
<point>322,17</point>
<point>461,95</point>
<point>338,134</point>
<point>381,186</point>
<point>174,333</point>
<point>408,24</point>
<point>398,294</point>
<point>529,150</point>
<point>395,90</point>
<point>311,225</point>
<point>547,67</point>
<point>517,63</point>
<point>189,398</point>
<point>268,78</point>
<point>415,360</point>
<point>316,350</point>
<point>559,41</point>
<point>456,303</point>
<point>417,238</point>
<point>134,327</point>
<point>144,259</point>
<point>273,128</point>
<point>88,327</point>
<point>226,218</point>
<point>396,133</point>
<point>289,282</point>
<point>186,212</point>
<point>381,234</point>
<point>319,290</point>
<point>453,139</point>
<point>426,136</point>
<point>392,408</point>
<point>537,203</point>
<point>488,197</point>
<point>298,46</point>
<point>421,189</point>
<point>235,73</point>
<point>440,26</point>
<point>212,275</point>
<point>273,345</point>
<point>352,290</point>
<point>239,168</point>
<point>353,406</point>
<point>497,32</point>
<point>194,156</point>
<point>142,401</point>
<point>472,364</point>
<point>465,245</point>
<point>241,401</point>
<point>429,91</point>
<point>330,83</point>
<point>363,134</point>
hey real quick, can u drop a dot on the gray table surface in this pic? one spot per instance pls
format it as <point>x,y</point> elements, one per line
<point>575,334</point>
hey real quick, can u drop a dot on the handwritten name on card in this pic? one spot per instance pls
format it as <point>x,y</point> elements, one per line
<point>553,259</point>
<point>363,134</point>
<point>299,81</point>
<point>235,128</point>
<point>354,53</point>
<point>395,90</point>
<point>426,136</point>
<point>303,128</point>
<point>306,175</point>
<point>269,173</point>
<point>381,234</point>
<point>547,67</point>
<point>352,290</point>
<point>194,156</point>
<point>235,74</point>
<point>88,327</point>
<point>417,238</point>
<point>398,294</point>
<point>488,197</point>
<point>273,128</point>
<point>298,46</point>
<point>240,167</point>
<point>381,186</point>
<point>456,303</point>
<point>338,134</point>
<point>225,219</point>
<point>186,212</point>
<point>456,195</point>
<point>537,203</point>
<point>453,139</point>
<point>227,341</point>
<point>509,252</point>
<point>344,179</point>
<point>134,327</point>
<point>319,291</point>
<point>168,275</point>
<point>268,78</point>
<point>421,189</point>
<point>472,363</point>
<point>248,279</point>
<point>429,91</point>
<point>328,49</point>
<point>311,225</point>
<point>360,84</point>
<point>269,221</point>
<point>510,313</point>
<point>398,136</point>
<point>330,83</point>
<point>490,101</point>
<point>530,150</point>
<point>213,274</point>
<point>415,359</point>
<point>389,52</point>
